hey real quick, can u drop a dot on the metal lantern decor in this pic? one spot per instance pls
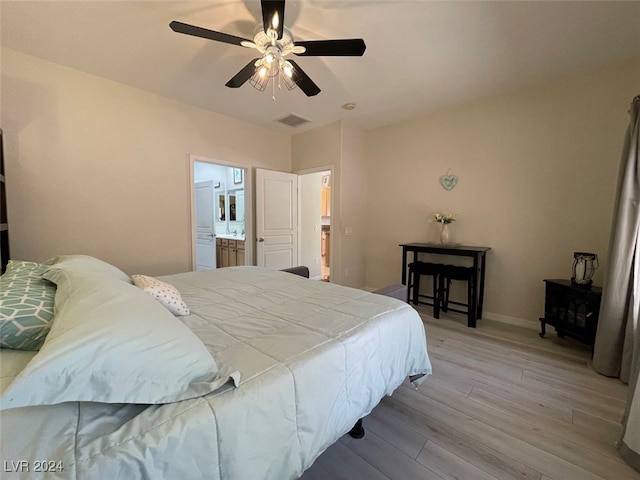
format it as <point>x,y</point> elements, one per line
<point>584,266</point>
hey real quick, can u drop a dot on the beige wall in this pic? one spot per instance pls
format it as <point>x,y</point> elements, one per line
<point>537,172</point>
<point>342,147</point>
<point>101,168</point>
<point>353,205</point>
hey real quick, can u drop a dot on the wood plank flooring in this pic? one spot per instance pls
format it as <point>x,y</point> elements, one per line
<point>502,404</point>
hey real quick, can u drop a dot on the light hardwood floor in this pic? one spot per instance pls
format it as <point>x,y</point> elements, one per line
<point>502,403</point>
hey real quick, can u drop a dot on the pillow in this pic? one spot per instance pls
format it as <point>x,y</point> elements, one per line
<point>165,293</point>
<point>87,264</point>
<point>113,343</point>
<point>19,271</point>
<point>26,306</point>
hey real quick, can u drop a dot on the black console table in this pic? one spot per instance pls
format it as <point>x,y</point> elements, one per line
<point>478,254</point>
<point>572,309</point>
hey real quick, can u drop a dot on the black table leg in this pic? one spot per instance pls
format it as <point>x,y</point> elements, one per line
<point>473,305</point>
<point>476,291</point>
<point>404,266</point>
<point>480,285</point>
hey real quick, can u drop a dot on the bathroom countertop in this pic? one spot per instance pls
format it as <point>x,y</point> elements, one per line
<point>231,236</point>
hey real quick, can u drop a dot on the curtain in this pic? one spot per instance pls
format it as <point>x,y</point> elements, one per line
<point>617,345</point>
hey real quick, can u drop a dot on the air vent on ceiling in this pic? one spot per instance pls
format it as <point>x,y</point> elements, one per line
<point>293,120</point>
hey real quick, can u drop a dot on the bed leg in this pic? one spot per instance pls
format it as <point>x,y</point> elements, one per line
<point>357,431</point>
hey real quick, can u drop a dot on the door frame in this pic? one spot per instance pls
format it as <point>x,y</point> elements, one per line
<point>248,205</point>
<point>305,171</point>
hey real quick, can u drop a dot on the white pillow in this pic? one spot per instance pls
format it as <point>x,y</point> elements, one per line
<point>165,293</point>
<point>87,263</point>
<point>112,343</point>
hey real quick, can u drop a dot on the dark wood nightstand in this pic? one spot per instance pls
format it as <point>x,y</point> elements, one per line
<point>572,309</point>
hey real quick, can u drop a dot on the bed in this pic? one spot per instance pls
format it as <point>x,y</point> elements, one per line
<point>265,372</point>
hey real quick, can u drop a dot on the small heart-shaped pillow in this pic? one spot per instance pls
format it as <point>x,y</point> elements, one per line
<point>448,181</point>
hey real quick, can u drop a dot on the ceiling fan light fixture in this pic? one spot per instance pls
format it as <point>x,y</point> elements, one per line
<point>288,69</point>
<point>273,69</point>
<point>288,81</point>
<point>259,82</point>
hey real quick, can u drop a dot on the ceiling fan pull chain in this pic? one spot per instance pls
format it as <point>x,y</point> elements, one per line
<point>273,90</point>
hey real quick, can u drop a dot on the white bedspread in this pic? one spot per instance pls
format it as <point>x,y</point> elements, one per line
<point>314,358</point>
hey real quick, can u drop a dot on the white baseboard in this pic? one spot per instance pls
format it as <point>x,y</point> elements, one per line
<point>520,322</point>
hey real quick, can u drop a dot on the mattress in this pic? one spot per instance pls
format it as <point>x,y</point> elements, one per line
<point>312,358</point>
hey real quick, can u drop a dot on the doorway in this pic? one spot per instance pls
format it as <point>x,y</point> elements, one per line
<point>315,223</point>
<point>220,206</point>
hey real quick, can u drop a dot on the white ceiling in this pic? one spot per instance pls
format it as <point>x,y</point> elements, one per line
<point>420,56</point>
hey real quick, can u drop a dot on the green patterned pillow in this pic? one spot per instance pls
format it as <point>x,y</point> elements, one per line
<point>26,306</point>
<point>22,272</point>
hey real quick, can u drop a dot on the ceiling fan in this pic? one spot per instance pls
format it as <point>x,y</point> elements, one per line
<point>274,42</point>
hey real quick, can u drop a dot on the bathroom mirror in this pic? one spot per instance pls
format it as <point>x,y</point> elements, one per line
<point>221,212</point>
<point>235,200</point>
<point>232,207</point>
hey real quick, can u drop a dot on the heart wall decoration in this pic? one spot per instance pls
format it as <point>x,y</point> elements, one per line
<point>448,181</point>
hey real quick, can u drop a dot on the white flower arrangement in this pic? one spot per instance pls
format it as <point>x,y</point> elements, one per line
<point>444,218</point>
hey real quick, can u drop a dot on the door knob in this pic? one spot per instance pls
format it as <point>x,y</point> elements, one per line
<point>210,235</point>
<point>261,239</point>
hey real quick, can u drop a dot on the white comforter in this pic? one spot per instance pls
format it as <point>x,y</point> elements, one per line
<point>314,358</point>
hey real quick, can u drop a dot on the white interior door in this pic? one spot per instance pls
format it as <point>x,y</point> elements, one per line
<point>205,233</point>
<point>276,219</point>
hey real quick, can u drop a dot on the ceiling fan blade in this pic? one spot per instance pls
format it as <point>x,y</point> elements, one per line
<point>303,81</point>
<point>273,16</point>
<point>351,47</point>
<point>243,75</point>
<point>187,29</point>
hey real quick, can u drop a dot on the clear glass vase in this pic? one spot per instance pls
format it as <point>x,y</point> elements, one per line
<point>445,235</point>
